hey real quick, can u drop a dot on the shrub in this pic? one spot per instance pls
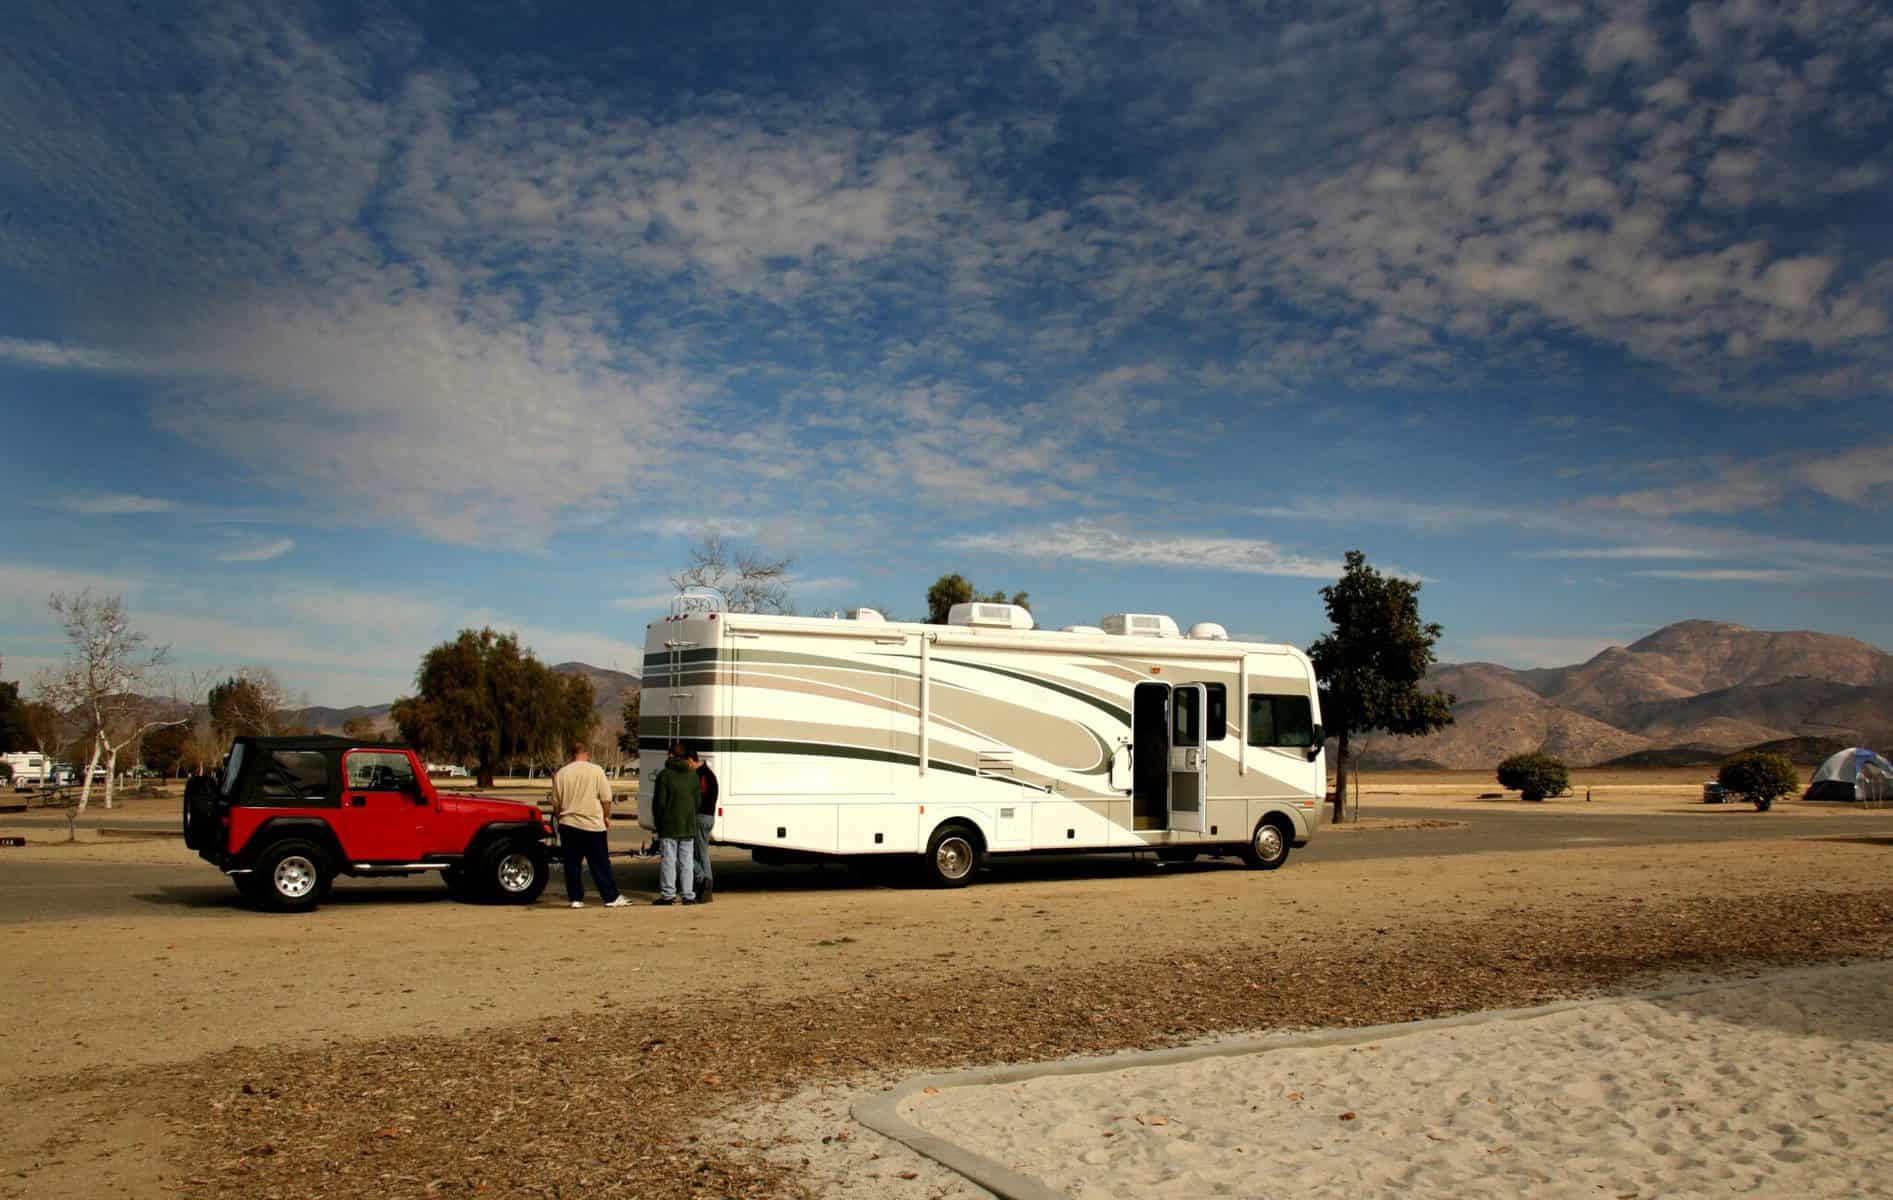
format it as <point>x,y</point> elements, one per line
<point>1758,778</point>
<point>1534,776</point>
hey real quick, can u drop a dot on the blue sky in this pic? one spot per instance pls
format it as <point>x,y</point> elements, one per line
<point>326,329</point>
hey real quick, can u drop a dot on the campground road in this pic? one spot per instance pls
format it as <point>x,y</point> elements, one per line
<point>33,891</point>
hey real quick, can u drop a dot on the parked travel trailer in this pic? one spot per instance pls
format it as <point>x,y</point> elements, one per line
<point>30,770</point>
<point>860,737</point>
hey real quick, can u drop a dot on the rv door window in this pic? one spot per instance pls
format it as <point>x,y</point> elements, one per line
<point>1286,721</point>
<point>1185,722</point>
<point>1216,719</point>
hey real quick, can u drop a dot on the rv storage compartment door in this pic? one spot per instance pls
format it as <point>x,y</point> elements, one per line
<point>1188,769</point>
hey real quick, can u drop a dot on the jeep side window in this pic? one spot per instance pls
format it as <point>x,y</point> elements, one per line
<point>231,766</point>
<point>294,776</point>
<point>380,771</point>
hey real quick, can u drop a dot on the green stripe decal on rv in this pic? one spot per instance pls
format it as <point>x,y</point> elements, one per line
<point>822,750</point>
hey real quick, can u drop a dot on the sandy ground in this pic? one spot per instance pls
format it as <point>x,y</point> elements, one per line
<point>1775,1087</point>
<point>186,982</point>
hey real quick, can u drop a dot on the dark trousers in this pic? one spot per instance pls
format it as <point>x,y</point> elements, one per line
<point>589,846</point>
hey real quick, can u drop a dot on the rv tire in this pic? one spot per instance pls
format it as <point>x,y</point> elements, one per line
<point>952,858</point>
<point>1268,848</point>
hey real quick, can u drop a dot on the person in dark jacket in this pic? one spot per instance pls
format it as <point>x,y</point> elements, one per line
<point>674,811</point>
<point>706,821</point>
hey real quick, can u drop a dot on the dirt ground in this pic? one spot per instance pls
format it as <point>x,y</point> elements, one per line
<point>409,1047</point>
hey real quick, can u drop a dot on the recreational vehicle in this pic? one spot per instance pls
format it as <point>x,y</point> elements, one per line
<point>30,770</point>
<point>859,737</point>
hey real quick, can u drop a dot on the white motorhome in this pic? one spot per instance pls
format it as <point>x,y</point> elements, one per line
<point>858,737</point>
<point>31,769</point>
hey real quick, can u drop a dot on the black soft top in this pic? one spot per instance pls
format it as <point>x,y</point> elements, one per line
<point>294,772</point>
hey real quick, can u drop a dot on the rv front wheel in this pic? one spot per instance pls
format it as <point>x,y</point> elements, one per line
<point>952,856</point>
<point>1268,849</point>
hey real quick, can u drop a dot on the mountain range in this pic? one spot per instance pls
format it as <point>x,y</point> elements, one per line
<point>1705,686</point>
<point>608,694</point>
<point>1691,691</point>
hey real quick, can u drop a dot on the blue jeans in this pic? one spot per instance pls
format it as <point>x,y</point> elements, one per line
<point>705,823</point>
<point>588,846</point>
<point>673,868</point>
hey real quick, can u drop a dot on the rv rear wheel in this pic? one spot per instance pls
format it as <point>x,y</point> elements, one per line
<point>1268,849</point>
<point>952,856</point>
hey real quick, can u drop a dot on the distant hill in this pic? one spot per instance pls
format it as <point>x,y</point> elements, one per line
<point>609,688</point>
<point>1696,688</point>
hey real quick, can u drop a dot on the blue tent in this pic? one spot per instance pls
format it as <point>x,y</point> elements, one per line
<point>1855,773</point>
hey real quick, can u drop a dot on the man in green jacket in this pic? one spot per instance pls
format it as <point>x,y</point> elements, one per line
<point>674,810</point>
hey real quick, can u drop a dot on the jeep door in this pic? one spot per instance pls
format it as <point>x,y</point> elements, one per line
<point>385,811</point>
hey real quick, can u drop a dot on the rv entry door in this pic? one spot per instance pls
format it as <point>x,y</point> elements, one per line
<point>1189,768</point>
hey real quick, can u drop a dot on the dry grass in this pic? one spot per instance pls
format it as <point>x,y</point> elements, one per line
<point>609,1106</point>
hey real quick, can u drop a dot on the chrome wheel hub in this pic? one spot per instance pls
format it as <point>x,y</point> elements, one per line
<point>516,873</point>
<point>1268,843</point>
<point>954,857</point>
<point>294,877</point>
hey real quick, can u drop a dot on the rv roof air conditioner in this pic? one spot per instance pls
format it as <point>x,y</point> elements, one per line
<point>1090,629</point>
<point>1139,625</point>
<point>1209,631</point>
<point>990,616</point>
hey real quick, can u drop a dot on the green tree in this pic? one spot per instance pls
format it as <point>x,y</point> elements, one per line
<point>14,734</point>
<point>166,748</point>
<point>249,704</point>
<point>1760,779</point>
<point>949,590</point>
<point>633,711</point>
<point>361,729</point>
<point>1534,776</point>
<point>485,700</point>
<point>1371,664</point>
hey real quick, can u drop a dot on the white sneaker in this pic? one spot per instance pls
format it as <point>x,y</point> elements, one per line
<point>578,904</point>
<point>620,902</point>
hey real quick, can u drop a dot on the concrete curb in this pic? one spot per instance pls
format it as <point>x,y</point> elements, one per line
<point>881,1111</point>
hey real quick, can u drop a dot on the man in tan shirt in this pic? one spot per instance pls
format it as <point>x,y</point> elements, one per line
<point>581,804</point>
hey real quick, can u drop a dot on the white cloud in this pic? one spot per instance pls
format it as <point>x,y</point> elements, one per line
<point>1089,541</point>
<point>114,504</point>
<point>257,552</point>
<point>1729,575</point>
<point>484,306</point>
<point>1627,552</point>
<point>64,357</point>
<point>1524,650</point>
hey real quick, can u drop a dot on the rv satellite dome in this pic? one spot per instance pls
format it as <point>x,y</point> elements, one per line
<point>1209,631</point>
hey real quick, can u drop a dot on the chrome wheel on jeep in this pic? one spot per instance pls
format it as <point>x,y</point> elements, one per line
<point>292,875</point>
<point>515,872</point>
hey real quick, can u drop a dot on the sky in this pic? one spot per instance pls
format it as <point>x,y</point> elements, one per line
<point>329,329</point>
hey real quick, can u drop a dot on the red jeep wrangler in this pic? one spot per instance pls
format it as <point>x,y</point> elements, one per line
<point>289,814</point>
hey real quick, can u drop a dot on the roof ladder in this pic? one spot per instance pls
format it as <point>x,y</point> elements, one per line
<point>677,646</point>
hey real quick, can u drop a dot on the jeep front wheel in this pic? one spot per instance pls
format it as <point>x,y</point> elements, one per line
<point>515,872</point>
<point>292,875</point>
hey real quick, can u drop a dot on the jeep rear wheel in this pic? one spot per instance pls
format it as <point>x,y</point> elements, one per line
<point>293,875</point>
<point>514,872</point>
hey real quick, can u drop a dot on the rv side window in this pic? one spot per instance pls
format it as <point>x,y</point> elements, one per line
<point>1216,720</point>
<point>1281,721</point>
